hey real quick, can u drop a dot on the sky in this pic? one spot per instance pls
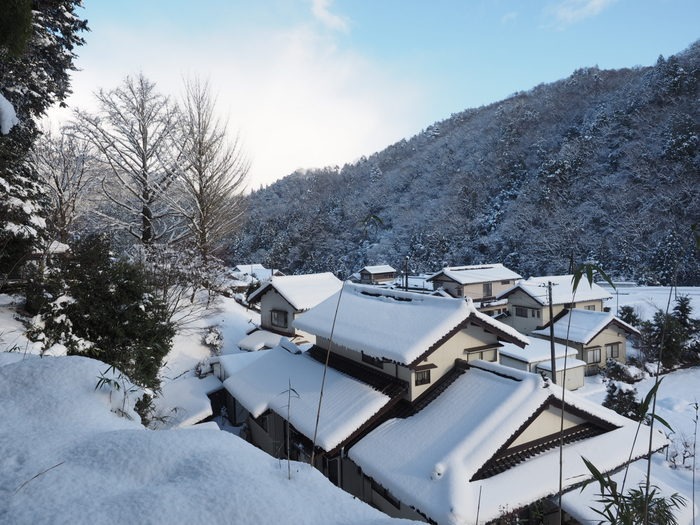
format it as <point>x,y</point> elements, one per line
<point>314,83</point>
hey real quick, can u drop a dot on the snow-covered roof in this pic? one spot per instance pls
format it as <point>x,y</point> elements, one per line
<point>301,291</point>
<point>184,402</point>
<point>347,402</point>
<point>379,268</point>
<point>583,325</point>
<point>258,340</point>
<point>232,363</point>
<point>393,324</point>
<point>562,290</point>
<point>478,273</point>
<point>570,363</point>
<point>429,459</point>
<point>538,350</point>
<point>256,270</point>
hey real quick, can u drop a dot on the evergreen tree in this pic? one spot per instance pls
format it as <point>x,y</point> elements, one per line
<point>106,309</point>
<point>34,74</point>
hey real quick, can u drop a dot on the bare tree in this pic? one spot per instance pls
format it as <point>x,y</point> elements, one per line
<point>213,171</point>
<point>66,164</point>
<point>133,131</point>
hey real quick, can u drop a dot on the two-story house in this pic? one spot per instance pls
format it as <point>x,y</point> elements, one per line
<point>528,300</point>
<point>282,298</point>
<point>414,338</point>
<point>482,283</point>
<point>596,336</point>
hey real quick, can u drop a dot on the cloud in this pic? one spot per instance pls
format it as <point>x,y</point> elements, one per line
<point>321,11</point>
<point>298,98</point>
<point>570,12</point>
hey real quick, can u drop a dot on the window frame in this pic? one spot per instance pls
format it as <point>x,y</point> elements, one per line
<point>612,350</point>
<point>422,377</point>
<point>521,311</point>
<point>273,316</point>
<point>592,352</point>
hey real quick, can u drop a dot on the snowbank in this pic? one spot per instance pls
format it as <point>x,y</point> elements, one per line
<point>65,457</point>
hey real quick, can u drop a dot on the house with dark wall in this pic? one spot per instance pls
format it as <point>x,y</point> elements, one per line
<point>378,274</point>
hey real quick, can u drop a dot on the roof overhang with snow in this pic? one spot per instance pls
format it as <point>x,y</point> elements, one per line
<point>300,291</point>
<point>402,327</point>
<point>437,461</point>
<point>266,382</point>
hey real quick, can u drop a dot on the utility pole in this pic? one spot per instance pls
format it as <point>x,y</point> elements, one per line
<point>551,333</point>
<point>405,274</point>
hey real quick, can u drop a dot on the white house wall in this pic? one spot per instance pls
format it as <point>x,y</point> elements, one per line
<point>272,300</point>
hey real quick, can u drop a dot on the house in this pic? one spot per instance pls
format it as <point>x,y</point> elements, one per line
<point>282,298</point>
<point>596,336</point>
<point>415,338</point>
<point>245,275</point>
<point>256,271</point>
<point>537,359</point>
<point>412,419</point>
<point>528,300</point>
<point>482,282</point>
<point>380,274</point>
<point>488,445</point>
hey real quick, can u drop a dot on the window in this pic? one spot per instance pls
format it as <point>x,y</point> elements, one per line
<point>278,318</point>
<point>593,355</point>
<point>590,307</point>
<point>488,290</point>
<point>613,350</point>
<point>520,311</point>
<point>505,282</point>
<point>422,377</point>
<point>374,361</point>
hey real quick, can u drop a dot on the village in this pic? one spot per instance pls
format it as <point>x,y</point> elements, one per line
<point>436,397</point>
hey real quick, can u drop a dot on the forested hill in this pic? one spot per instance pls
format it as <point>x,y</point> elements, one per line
<point>603,165</point>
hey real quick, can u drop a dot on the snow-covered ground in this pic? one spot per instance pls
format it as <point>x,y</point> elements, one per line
<point>67,457</point>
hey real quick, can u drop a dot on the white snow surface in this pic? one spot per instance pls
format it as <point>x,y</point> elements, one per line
<point>8,116</point>
<point>391,324</point>
<point>347,403</point>
<point>647,300</point>
<point>562,290</point>
<point>581,326</point>
<point>538,350</point>
<point>184,402</point>
<point>258,340</point>
<point>480,273</point>
<point>570,363</point>
<point>379,268</point>
<point>301,291</point>
<point>427,460</point>
<point>66,458</point>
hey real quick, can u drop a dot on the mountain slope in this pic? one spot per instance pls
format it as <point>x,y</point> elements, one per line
<point>602,165</point>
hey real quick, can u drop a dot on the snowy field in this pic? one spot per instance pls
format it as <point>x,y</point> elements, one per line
<point>66,457</point>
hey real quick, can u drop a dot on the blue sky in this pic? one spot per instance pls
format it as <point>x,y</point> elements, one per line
<point>311,83</point>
